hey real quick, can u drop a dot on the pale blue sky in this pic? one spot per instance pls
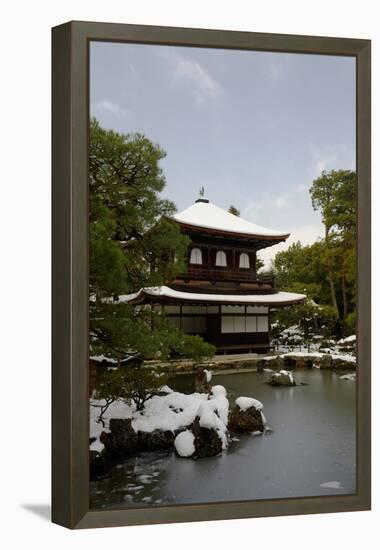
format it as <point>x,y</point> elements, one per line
<point>253,128</point>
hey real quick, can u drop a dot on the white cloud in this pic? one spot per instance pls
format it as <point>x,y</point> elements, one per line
<point>307,234</point>
<point>281,202</point>
<point>324,163</point>
<point>105,106</point>
<point>204,85</point>
<point>301,188</point>
<point>253,210</point>
<point>189,71</point>
<point>322,159</point>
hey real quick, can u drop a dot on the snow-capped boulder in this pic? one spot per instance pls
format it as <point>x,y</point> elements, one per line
<point>184,444</point>
<point>202,379</point>
<point>207,439</point>
<point>347,344</point>
<point>351,377</point>
<point>246,416</point>
<point>282,378</point>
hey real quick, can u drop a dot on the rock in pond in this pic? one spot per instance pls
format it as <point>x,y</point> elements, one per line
<point>246,416</point>
<point>206,440</point>
<point>121,440</point>
<point>156,440</point>
<point>97,465</point>
<point>198,442</point>
<point>282,378</point>
<point>202,379</point>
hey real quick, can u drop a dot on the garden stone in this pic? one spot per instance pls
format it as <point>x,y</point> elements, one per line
<point>122,440</point>
<point>250,420</point>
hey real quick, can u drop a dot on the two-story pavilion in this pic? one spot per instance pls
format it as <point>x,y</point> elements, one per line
<point>220,295</point>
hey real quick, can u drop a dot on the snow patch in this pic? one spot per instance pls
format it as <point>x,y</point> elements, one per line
<point>97,446</point>
<point>184,443</point>
<point>348,339</point>
<point>207,417</point>
<point>351,377</point>
<point>288,374</point>
<point>245,403</point>
<point>332,485</point>
<point>254,299</point>
<point>208,375</point>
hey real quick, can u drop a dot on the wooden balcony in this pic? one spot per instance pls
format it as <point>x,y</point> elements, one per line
<point>219,274</point>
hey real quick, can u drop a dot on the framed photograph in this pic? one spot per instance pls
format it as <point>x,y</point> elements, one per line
<point>211,274</point>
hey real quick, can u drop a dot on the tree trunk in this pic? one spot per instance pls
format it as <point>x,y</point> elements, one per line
<point>330,277</point>
<point>333,293</point>
<point>345,305</point>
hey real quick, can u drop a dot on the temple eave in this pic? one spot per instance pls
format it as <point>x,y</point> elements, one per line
<point>166,295</point>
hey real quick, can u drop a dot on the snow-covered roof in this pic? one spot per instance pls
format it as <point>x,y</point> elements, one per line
<point>206,214</point>
<point>278,298</point>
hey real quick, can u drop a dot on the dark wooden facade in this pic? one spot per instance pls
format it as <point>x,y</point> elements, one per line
<point>232,326</point>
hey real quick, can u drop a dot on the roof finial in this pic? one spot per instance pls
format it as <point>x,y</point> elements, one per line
<point>202,196</point>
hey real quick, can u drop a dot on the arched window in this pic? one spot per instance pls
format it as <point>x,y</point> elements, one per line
<point>221,258</point>
<point>244,261</point>
<point>196,256</point>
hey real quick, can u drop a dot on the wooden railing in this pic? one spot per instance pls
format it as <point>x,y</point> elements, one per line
<point>223,274</point>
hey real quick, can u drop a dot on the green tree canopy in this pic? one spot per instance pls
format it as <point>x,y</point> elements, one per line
<point>326,270</point>
<point>133,243</point>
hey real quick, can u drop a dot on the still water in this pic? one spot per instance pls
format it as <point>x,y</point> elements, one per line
<point>310,452</point>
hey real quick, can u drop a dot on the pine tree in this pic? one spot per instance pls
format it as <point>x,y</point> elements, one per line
<point>133,243</point>
<point>233,210</point>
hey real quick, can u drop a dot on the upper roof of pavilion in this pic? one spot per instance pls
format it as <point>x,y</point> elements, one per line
<point>207,216</point>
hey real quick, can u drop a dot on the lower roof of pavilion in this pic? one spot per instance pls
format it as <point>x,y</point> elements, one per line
<point>167,295</point>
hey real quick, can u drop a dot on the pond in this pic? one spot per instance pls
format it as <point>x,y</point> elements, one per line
<point>311,450</point>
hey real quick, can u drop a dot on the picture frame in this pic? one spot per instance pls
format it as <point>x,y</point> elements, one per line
<point>70,268</point>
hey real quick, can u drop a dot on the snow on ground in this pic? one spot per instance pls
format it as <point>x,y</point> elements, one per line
<point>349,340</point>
<point>313,355</point>
<point>97,446</point>
<point>100,358</point>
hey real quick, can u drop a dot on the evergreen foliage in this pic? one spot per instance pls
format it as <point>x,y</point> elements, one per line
<point>133,244</point>
<point>326,270</point>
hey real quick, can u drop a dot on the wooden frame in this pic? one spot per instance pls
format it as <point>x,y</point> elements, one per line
<point>70,483</point>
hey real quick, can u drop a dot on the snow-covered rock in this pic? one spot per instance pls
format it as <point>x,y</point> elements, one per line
<point>351,377</point>
<point>207,416</point>
<point>202,380</point>
<point>247,416</point>
<point>245,403</point>
<point>282,378</point>
<point>184,444</point>
<point>208,375</point>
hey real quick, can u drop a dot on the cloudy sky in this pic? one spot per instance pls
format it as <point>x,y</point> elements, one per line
<point>253,128</point>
